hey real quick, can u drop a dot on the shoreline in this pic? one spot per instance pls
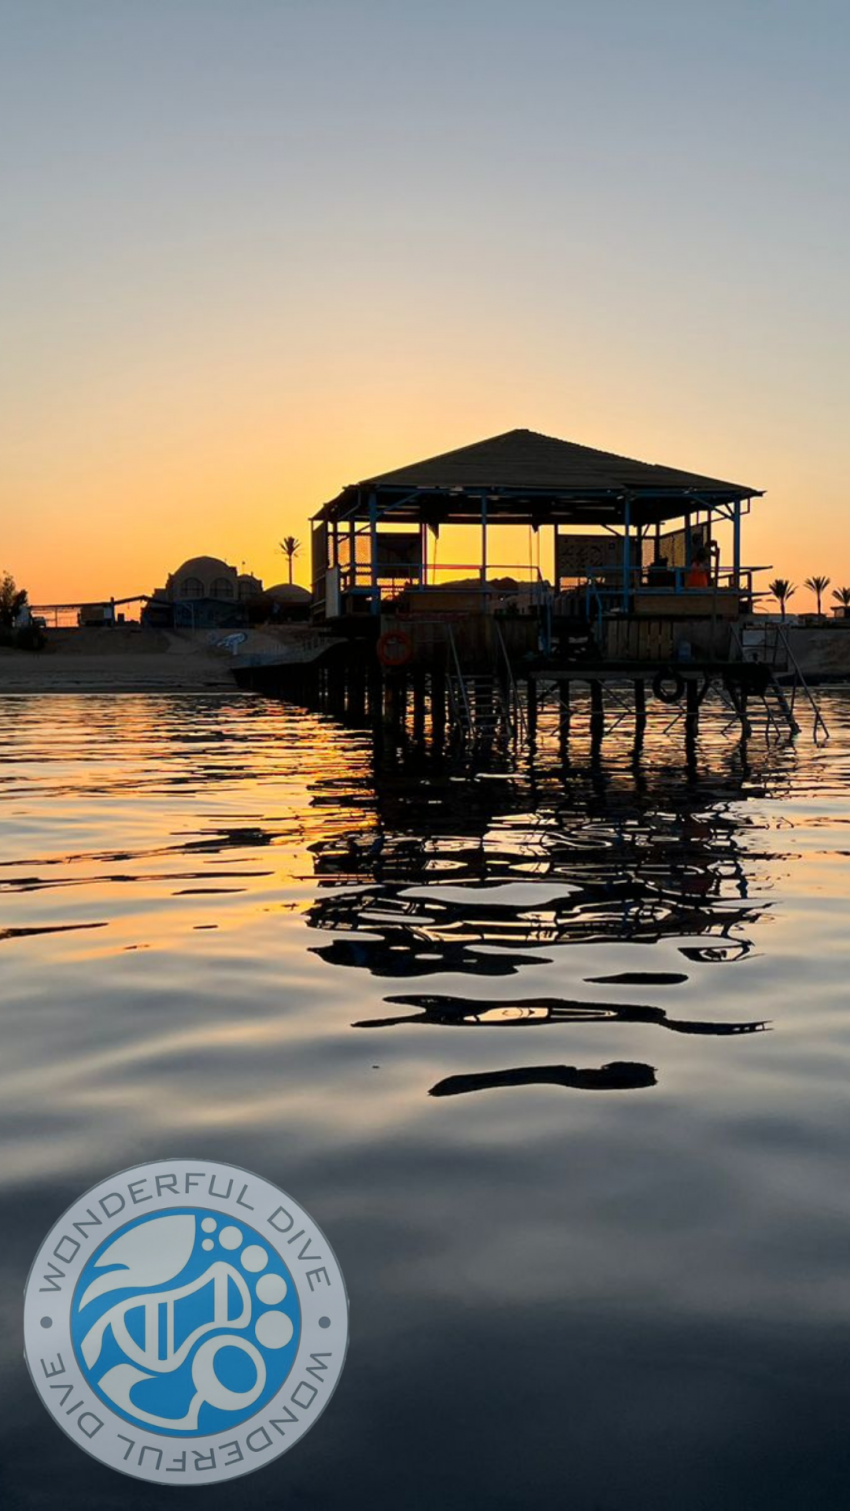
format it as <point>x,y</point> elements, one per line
<point>123,660</point>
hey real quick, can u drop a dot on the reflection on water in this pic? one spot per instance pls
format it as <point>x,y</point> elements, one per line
<point>539,1010</point>
<point>618,1076</point>
<point>634,1300</point>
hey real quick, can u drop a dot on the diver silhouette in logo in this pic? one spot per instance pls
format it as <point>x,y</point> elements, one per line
<point>186,1322</point>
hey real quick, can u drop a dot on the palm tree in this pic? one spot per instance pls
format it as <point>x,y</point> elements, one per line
<point>842,596</point>
<point>818,586</point>
<point>782,590</point>
<point>290,548</point>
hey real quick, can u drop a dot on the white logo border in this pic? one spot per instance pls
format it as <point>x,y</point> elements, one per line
<point>154,1457</point>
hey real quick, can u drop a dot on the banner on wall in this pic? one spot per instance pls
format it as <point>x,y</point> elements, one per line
<point>588,555</point>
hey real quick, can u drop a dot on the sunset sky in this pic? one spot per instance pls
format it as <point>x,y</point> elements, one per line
<point>254,250</point>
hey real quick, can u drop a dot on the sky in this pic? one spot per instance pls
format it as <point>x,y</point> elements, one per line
<point>253,250</point>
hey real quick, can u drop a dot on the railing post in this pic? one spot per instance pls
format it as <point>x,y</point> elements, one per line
<point>373,552</point>
<point>627,555</point>
<point>736,545</point>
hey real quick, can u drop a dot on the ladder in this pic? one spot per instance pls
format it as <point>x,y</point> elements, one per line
<point>482,704</point>
<point>769,645</point>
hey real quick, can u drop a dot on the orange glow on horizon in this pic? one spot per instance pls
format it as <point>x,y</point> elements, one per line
<point>237,498</point>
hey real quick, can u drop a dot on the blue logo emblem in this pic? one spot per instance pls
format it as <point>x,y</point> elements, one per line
<point>187,1322</point>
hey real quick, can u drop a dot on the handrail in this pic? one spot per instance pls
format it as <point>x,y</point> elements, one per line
<point>807,692</point>
<point>780,637</point>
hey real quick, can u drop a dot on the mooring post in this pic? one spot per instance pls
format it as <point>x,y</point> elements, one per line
<point>438,707</point>
<point>336,690</point>
<point>564,717</point>
<point>691,708</point>
<point>639,715</point>
<point>375,690</point>
<point>640,703</point>
<point>417,682</point>
<point>531,699</point>
<point>356,678</point>
<point>597,719</point>
<point>392,706</point>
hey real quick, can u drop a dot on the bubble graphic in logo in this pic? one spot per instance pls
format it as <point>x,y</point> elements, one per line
<point>185,1322</point>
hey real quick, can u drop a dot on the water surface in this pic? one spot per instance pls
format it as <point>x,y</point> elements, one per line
<point>558,1057</point>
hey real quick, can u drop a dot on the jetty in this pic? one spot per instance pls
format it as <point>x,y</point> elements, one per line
<point>647,600</point>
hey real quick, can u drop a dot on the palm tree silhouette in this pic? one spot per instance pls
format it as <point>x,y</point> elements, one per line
<point>842,596</point>
<point>782,590</point>
<point>818,586</point>
<point>290,548</point>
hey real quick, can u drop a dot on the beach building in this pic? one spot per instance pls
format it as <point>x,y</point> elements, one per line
<point>204,592</point>
<point>288,601</point>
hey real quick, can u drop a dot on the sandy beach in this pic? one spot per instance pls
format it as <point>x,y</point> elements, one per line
<point>127,659</point>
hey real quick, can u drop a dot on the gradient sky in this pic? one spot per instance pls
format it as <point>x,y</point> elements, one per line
<point>254,250</point>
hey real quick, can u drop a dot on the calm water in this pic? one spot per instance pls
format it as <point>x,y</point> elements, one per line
<point>559,1060</point>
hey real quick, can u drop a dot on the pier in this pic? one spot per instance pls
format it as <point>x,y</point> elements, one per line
<point>645,603</point>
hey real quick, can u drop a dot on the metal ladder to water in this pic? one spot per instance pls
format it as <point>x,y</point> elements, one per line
<point>773,650</point>
<point>483,704</point>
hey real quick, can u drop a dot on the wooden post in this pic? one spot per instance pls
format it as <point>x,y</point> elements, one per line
<point>356,679</point>
<point>375,689</point>
<point>640,702</point>
<point>336,690</point>
<point>438,707</point>
<point>417,682</point>
<point>691,707</point>
<point>564,718</point>
<point>392,707</point>
<point>531,685</point>
<point>597,719</point>
<point>402,704</point>
<point>640,716</point>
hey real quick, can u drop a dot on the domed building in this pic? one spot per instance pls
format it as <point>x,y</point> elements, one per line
<point>288,601</point>
<point>249,586</point>
<point>203,577</point>
<point>203,593</point>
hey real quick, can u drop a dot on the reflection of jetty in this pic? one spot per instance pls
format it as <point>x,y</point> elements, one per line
<point>440,881</point>
<point>468,1012</point>
<point>646,603</point>
<point>487,878</point>
<point>620,1075</point>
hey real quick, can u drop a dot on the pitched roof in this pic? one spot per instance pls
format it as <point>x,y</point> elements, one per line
<point>529,476</point>
<point>527,459</point>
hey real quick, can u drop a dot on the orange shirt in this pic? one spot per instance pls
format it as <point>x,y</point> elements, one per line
<point>697,577</point>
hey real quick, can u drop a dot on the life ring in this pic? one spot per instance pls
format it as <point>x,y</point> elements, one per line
<point>661,685</point>
<point>394,649</point>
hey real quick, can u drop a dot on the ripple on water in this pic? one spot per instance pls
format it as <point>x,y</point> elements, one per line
<point>558,1059</point>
